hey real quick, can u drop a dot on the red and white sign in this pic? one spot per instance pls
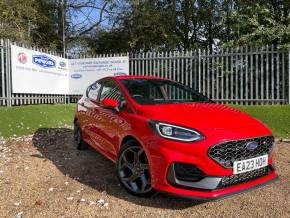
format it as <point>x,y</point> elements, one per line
<point>22,58</point>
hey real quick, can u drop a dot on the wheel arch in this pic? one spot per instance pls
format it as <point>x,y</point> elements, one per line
<point>131,137</point>
<point>128,138</point>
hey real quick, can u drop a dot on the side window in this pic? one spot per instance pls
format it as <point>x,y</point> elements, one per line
<point>93,91</point>
<point>111,90</point>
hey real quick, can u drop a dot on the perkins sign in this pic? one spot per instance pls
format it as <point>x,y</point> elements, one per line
<point>43,61</point>
<point>39,73</point>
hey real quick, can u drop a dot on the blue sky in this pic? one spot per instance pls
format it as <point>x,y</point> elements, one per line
<point>88,16</point>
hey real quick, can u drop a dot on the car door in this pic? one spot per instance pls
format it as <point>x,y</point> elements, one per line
<point>111,122</point>
<point>90,116</point>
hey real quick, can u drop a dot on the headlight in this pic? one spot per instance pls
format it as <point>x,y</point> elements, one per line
<point>174,132</point>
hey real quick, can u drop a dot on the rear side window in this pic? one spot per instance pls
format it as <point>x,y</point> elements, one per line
<point>93,91</point>
<point>110,90</point>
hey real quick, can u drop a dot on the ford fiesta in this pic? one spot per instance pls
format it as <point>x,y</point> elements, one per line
<point>163,136</point>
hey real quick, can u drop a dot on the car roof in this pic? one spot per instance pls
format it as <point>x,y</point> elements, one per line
<point>135,77</point>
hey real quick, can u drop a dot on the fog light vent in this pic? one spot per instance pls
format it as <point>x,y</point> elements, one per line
<point>187,172</point>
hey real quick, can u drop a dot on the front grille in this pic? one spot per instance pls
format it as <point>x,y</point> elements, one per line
<point>243,177</point>
<point>227,153</point>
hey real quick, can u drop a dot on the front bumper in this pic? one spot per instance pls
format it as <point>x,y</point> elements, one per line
<point>220,196</point>
<point>208,189</point>
<point>163,153</point>
<point>190,177</point>
<point>212,187</point>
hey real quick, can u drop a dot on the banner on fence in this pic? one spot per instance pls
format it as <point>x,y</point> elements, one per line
<point>34,72</point>
<point>38,73</point>
<point>84,72</point>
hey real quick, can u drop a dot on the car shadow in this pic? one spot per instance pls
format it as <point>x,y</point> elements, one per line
<point>92,169</point>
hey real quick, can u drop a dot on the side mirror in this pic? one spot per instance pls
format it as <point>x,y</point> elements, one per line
<point>110,103</point>
<point>125,106</point>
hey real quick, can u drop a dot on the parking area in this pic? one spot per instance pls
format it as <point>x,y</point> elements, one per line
<point>43,175</point>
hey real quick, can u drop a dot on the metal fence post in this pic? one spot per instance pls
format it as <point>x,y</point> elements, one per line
<point>199,72</point>
<point>8,74</point>
<point>289,77</point>
<point>2,72</point>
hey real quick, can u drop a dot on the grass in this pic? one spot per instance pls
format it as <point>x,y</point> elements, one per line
<point>277,117</point>
<point>24,120</point>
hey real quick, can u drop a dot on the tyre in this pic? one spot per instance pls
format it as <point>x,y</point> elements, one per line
<point>133,170</point>
<point>81,145</point>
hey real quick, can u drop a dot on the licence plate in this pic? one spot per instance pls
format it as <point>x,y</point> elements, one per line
<point>250,164</point>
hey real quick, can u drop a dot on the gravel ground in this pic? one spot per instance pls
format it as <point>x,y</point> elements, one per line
<point>45,176</point>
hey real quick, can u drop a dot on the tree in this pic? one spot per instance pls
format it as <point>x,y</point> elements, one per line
<point>164,25</point>
<point>32,22</point>
<point>142,25</point>
<point>260,23</point>
<point>45,23</point>
<point>18,19</point>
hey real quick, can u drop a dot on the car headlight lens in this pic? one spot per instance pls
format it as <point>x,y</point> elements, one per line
<point>174,132</point>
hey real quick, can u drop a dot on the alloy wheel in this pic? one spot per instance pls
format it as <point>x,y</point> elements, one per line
<point>133,170</point>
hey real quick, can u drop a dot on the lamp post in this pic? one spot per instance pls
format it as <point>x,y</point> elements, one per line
<point>63,27</point>
<point>63,34</point>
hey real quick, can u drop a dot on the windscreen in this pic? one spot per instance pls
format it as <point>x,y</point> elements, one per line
<point>156,91</point>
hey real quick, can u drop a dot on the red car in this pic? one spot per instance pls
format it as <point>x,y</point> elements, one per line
<point>163,136</point>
